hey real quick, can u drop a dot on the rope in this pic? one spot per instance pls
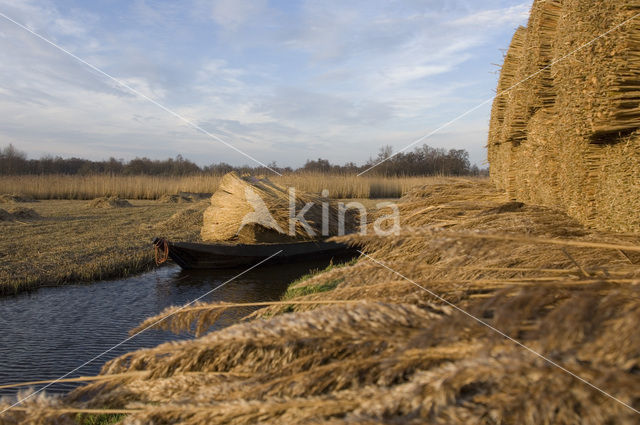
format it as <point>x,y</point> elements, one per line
<point>161,247</point>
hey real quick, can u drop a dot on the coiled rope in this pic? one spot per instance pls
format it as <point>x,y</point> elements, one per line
<point>161,246</point>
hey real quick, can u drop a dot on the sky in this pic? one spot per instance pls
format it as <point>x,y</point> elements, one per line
<point>282,81</point>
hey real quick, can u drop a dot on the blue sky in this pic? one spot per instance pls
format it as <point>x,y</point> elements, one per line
<point>283,81</point>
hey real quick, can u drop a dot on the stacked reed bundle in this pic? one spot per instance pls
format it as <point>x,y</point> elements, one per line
<point>574,123</point>
<point>500,126</point>
<point>541,30</point>
<point>252,210</point>
<point>599,84</point>
<point>515,111</point>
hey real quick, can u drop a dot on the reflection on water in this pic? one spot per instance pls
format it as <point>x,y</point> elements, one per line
<point>51,331</point>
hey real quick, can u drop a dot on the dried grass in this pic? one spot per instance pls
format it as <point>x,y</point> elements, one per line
<point>109,202</point>
<point>14,199</point>
<point>236,215</point>
<point>397,354</point>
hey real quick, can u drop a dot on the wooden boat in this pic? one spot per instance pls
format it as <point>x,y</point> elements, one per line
<point>227,256</point>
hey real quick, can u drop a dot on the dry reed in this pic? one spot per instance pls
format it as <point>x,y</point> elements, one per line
<point>568,136</point>
<point>154,187</point>
<point>57,242</point>
<point>235,213</point>
<point>397,354</point>
<point>109,202</point>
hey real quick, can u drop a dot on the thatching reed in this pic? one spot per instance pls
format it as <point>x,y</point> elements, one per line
<point>249,209</point>
<point>18,214</point>
<point>14,199</point>
<point>397,354</point>
<point>109,202</point>
<point>153,187</point>
<point>176,199</point>
<point>566,136</point>
<point>185,219</point>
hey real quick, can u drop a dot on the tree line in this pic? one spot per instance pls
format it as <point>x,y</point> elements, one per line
<point>422,161</point>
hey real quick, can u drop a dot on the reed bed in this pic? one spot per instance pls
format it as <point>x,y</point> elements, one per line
<point>96,186</point>
<point>155,187</point>
<point>385,351</point>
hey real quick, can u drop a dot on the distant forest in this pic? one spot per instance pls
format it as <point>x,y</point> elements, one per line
<point>422,161</point>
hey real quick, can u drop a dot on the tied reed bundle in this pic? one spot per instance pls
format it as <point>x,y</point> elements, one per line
<point>109,202</point>
<point>567,135</point>
<point>249,210</point>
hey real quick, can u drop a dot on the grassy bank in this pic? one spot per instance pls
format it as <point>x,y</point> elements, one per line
<point>68,241</point>
<point>153,187</point>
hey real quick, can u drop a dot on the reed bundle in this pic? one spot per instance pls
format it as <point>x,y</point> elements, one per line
<point>109,202</point>
<point>18,214</point>
<point>249,210</point>
<point>14,199</point>
<point>567,135</point>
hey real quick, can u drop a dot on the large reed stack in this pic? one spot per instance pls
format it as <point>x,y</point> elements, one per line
<point>566,135</point>
<point>247,209</point>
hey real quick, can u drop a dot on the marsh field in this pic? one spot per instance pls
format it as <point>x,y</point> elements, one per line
<point>62,241</point>
<point>63,229</point>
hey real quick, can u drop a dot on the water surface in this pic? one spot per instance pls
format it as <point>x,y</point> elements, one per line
<point>51,331</point>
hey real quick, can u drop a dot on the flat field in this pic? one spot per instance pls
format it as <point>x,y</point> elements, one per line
<point>71,241</point>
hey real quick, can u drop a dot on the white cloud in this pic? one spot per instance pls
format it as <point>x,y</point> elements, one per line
<point>333,79</point>
<point>513,15</point>
<point>233,13</point>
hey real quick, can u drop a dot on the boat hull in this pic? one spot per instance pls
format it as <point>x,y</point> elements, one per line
<point>227,256</point>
